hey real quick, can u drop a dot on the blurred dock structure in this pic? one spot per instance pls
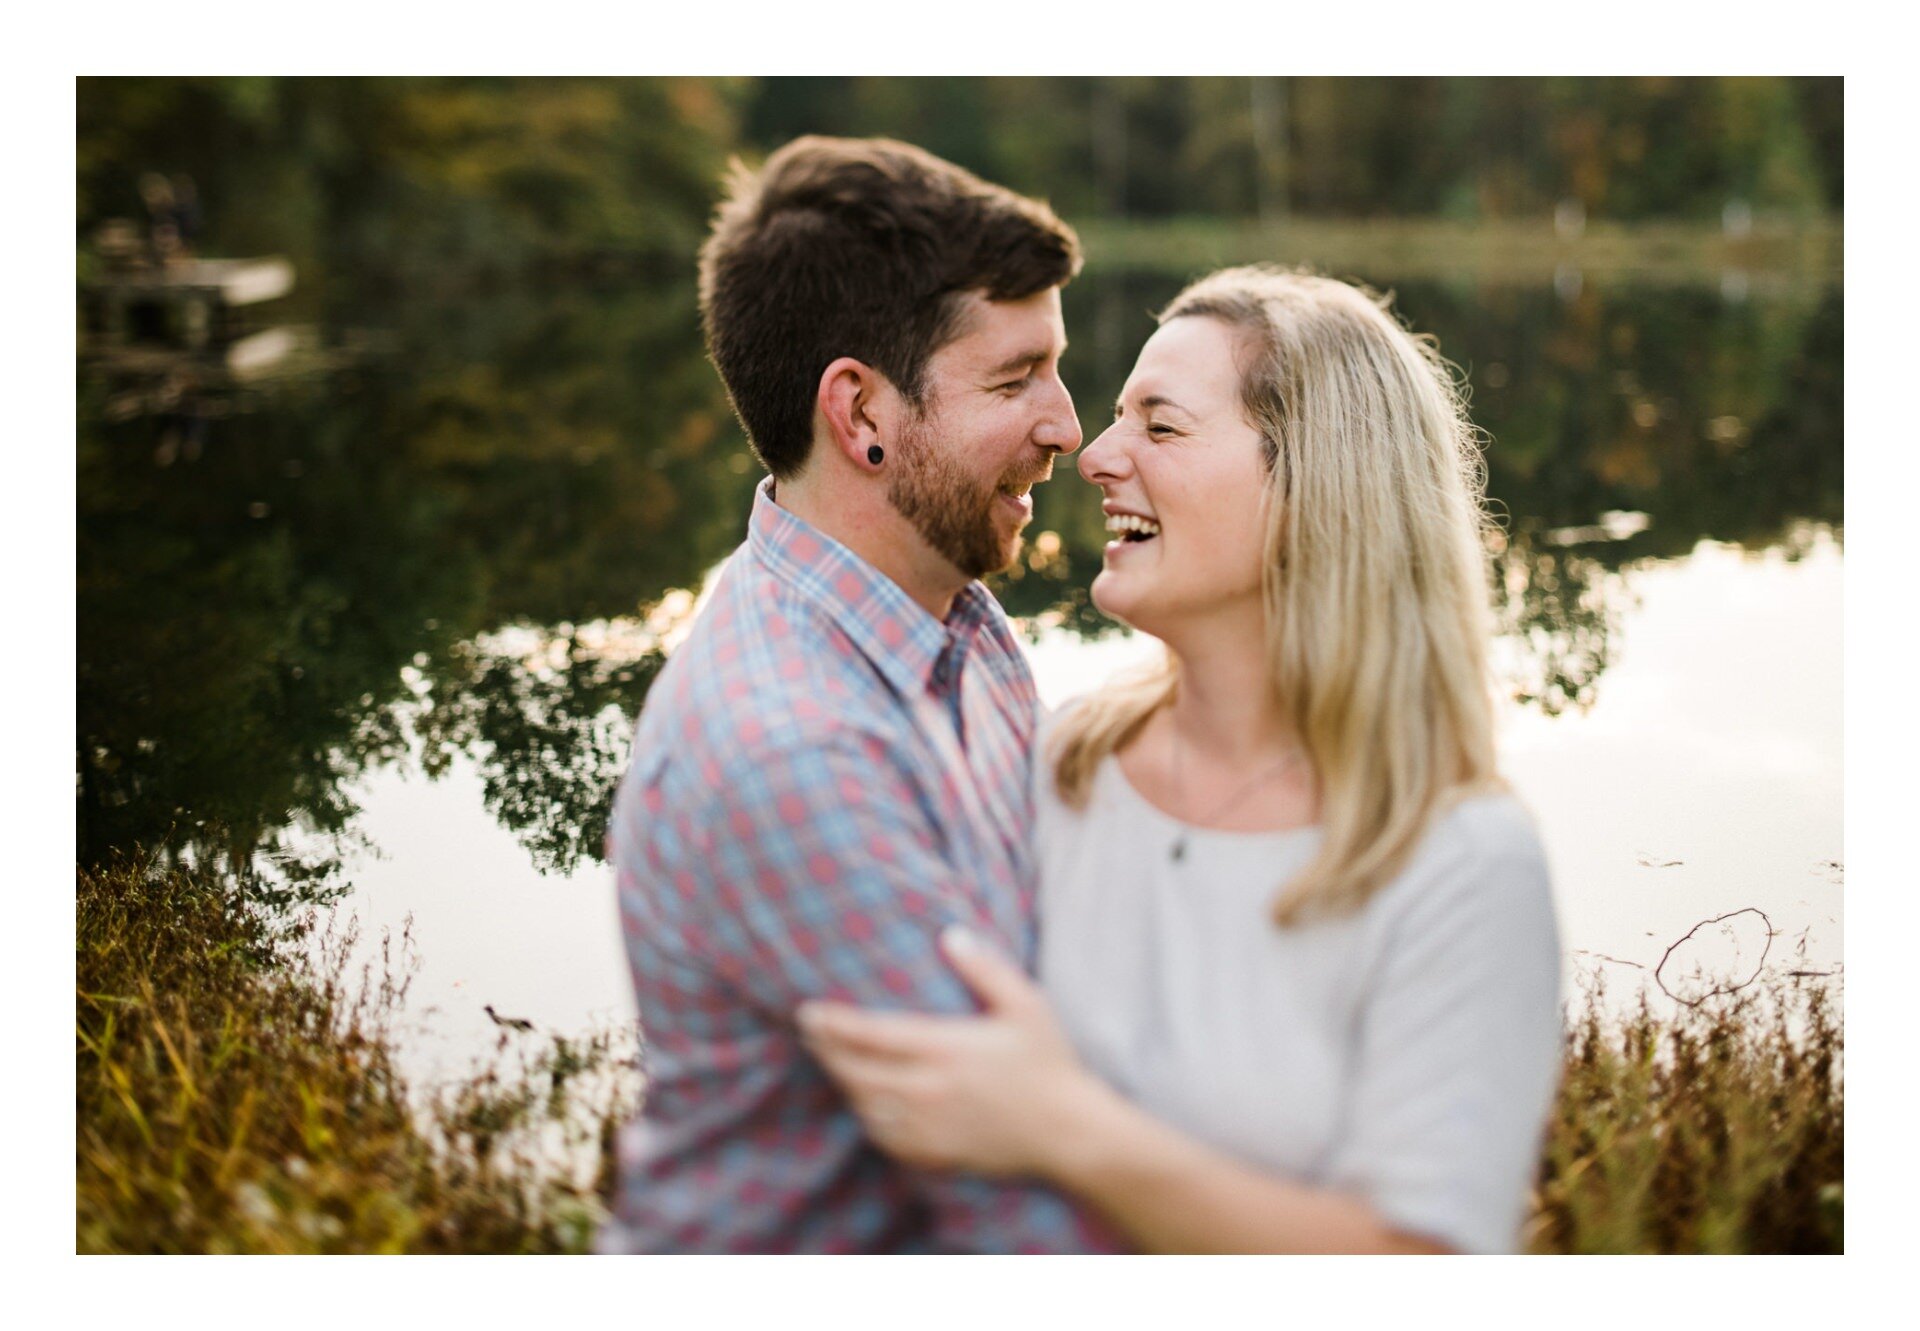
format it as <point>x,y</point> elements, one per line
<point>143,307</point>
<point>191,305</point>
<point>178,335</point>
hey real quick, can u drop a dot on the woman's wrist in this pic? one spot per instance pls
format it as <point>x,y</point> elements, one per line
<point>1087,1115</point>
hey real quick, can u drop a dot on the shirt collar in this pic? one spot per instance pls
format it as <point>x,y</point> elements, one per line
<point>889,627</point>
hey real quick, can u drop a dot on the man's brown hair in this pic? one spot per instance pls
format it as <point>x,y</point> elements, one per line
<point>861,248</point>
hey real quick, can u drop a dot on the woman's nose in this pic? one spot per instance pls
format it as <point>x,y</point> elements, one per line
<point>1104,460</point>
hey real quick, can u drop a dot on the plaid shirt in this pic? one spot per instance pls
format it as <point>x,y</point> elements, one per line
<point>824,777</point>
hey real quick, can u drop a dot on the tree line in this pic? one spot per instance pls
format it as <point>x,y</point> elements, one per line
<point>403,176</point>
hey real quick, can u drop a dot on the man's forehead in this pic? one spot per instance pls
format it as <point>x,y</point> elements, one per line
<point>993,332</point>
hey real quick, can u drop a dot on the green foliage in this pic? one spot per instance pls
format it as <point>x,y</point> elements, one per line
<point>404,178</point>
<point>411,177</point>
<point>231,1097</point>
<point>1466,148</point>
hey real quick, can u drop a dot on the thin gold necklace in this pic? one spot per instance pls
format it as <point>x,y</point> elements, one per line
<point>1178,850</point>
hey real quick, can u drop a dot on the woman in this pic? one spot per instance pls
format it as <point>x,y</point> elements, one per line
<point>1299,959</point>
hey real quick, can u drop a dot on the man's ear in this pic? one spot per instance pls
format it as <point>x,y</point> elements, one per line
<point>851,400</point>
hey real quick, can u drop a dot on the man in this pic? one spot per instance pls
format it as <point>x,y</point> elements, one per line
<point>833,766</point>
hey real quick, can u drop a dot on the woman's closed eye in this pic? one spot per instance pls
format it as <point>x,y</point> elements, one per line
<point>1152,429</point>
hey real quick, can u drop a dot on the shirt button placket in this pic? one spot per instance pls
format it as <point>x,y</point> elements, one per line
<point>945,680</point>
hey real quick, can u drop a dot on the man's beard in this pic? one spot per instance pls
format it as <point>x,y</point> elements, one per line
<point>952,511</point>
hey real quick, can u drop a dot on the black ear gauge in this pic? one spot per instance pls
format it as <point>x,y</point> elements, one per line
<point>875,454</point>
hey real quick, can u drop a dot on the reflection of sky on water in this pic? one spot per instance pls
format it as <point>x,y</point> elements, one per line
<point>1707,778</point>
<point>1716,742</point>
<point>489,927</point>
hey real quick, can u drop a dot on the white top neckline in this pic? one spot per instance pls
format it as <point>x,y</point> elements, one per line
<point>1131,794</point>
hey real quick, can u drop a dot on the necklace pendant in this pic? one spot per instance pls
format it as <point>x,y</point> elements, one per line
<point>1178,851</point>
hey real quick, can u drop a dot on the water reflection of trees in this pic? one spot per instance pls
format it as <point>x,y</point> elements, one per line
<point>547,446</point>
<point>1720,418</point>
<point>1557,613</point>
<point>552,457</point>
<point>549,726</point>
<point>241,621</point>
<point>245,613</point>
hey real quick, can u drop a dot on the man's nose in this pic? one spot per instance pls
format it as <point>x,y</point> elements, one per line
<point>1059,429</point>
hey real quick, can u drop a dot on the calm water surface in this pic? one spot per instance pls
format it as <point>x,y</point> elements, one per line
<point>383,626</point>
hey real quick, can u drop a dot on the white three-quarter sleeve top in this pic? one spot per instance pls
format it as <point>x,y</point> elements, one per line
<point>1406,1053</point>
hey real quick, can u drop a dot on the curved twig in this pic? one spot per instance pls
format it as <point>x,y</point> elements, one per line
<point>1758,966</point>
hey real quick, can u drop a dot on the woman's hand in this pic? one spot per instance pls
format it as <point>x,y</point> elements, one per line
<point>997,1094</point>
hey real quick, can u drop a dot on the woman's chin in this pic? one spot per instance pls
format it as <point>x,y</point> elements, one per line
<point>1109,596</point>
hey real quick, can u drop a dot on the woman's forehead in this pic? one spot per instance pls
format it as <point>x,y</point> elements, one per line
<point>1189,360</point>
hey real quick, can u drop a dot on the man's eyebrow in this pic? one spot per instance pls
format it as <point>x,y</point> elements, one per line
<point>1022,360</point>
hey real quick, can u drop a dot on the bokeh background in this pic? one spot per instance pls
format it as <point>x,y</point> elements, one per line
<point>374,570</point>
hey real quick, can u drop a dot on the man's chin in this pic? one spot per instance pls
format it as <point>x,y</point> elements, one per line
<point>995,549</point>
<point>991,566</point>
<point>1008,542</point>
<point>1010,556</point>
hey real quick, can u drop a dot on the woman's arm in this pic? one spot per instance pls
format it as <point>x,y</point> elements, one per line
<point>1004,1093</point>
<point>1169,1192</point>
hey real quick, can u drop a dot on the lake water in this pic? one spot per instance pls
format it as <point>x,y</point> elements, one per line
<point>384,624</point>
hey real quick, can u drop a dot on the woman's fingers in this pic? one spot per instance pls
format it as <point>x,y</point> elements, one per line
<point>885,1093</point>
<point>885,1034</point>
<point>995,980</point>
<point>863,1074</point>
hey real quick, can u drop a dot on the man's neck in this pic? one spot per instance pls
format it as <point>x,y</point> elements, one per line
<point>873,529</point>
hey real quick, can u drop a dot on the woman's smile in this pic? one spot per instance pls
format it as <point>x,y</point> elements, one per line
<point>1130,530</point>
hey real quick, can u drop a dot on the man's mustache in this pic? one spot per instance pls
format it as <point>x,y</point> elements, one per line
<point>1011,481</point>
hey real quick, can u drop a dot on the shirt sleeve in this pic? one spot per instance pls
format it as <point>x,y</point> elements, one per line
<point>816,869</point>
<point>1459,1051</point>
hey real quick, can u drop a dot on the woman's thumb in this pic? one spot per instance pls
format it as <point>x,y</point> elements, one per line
<point>997,982</point>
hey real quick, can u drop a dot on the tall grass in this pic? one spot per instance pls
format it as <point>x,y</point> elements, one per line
<point>1718,1129</point>
<point>234,1097</point>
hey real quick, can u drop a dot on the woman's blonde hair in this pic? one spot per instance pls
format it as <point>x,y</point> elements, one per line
<point>1375,576</point>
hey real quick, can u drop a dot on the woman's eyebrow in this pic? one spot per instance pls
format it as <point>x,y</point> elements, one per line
<point>1149,403</point>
